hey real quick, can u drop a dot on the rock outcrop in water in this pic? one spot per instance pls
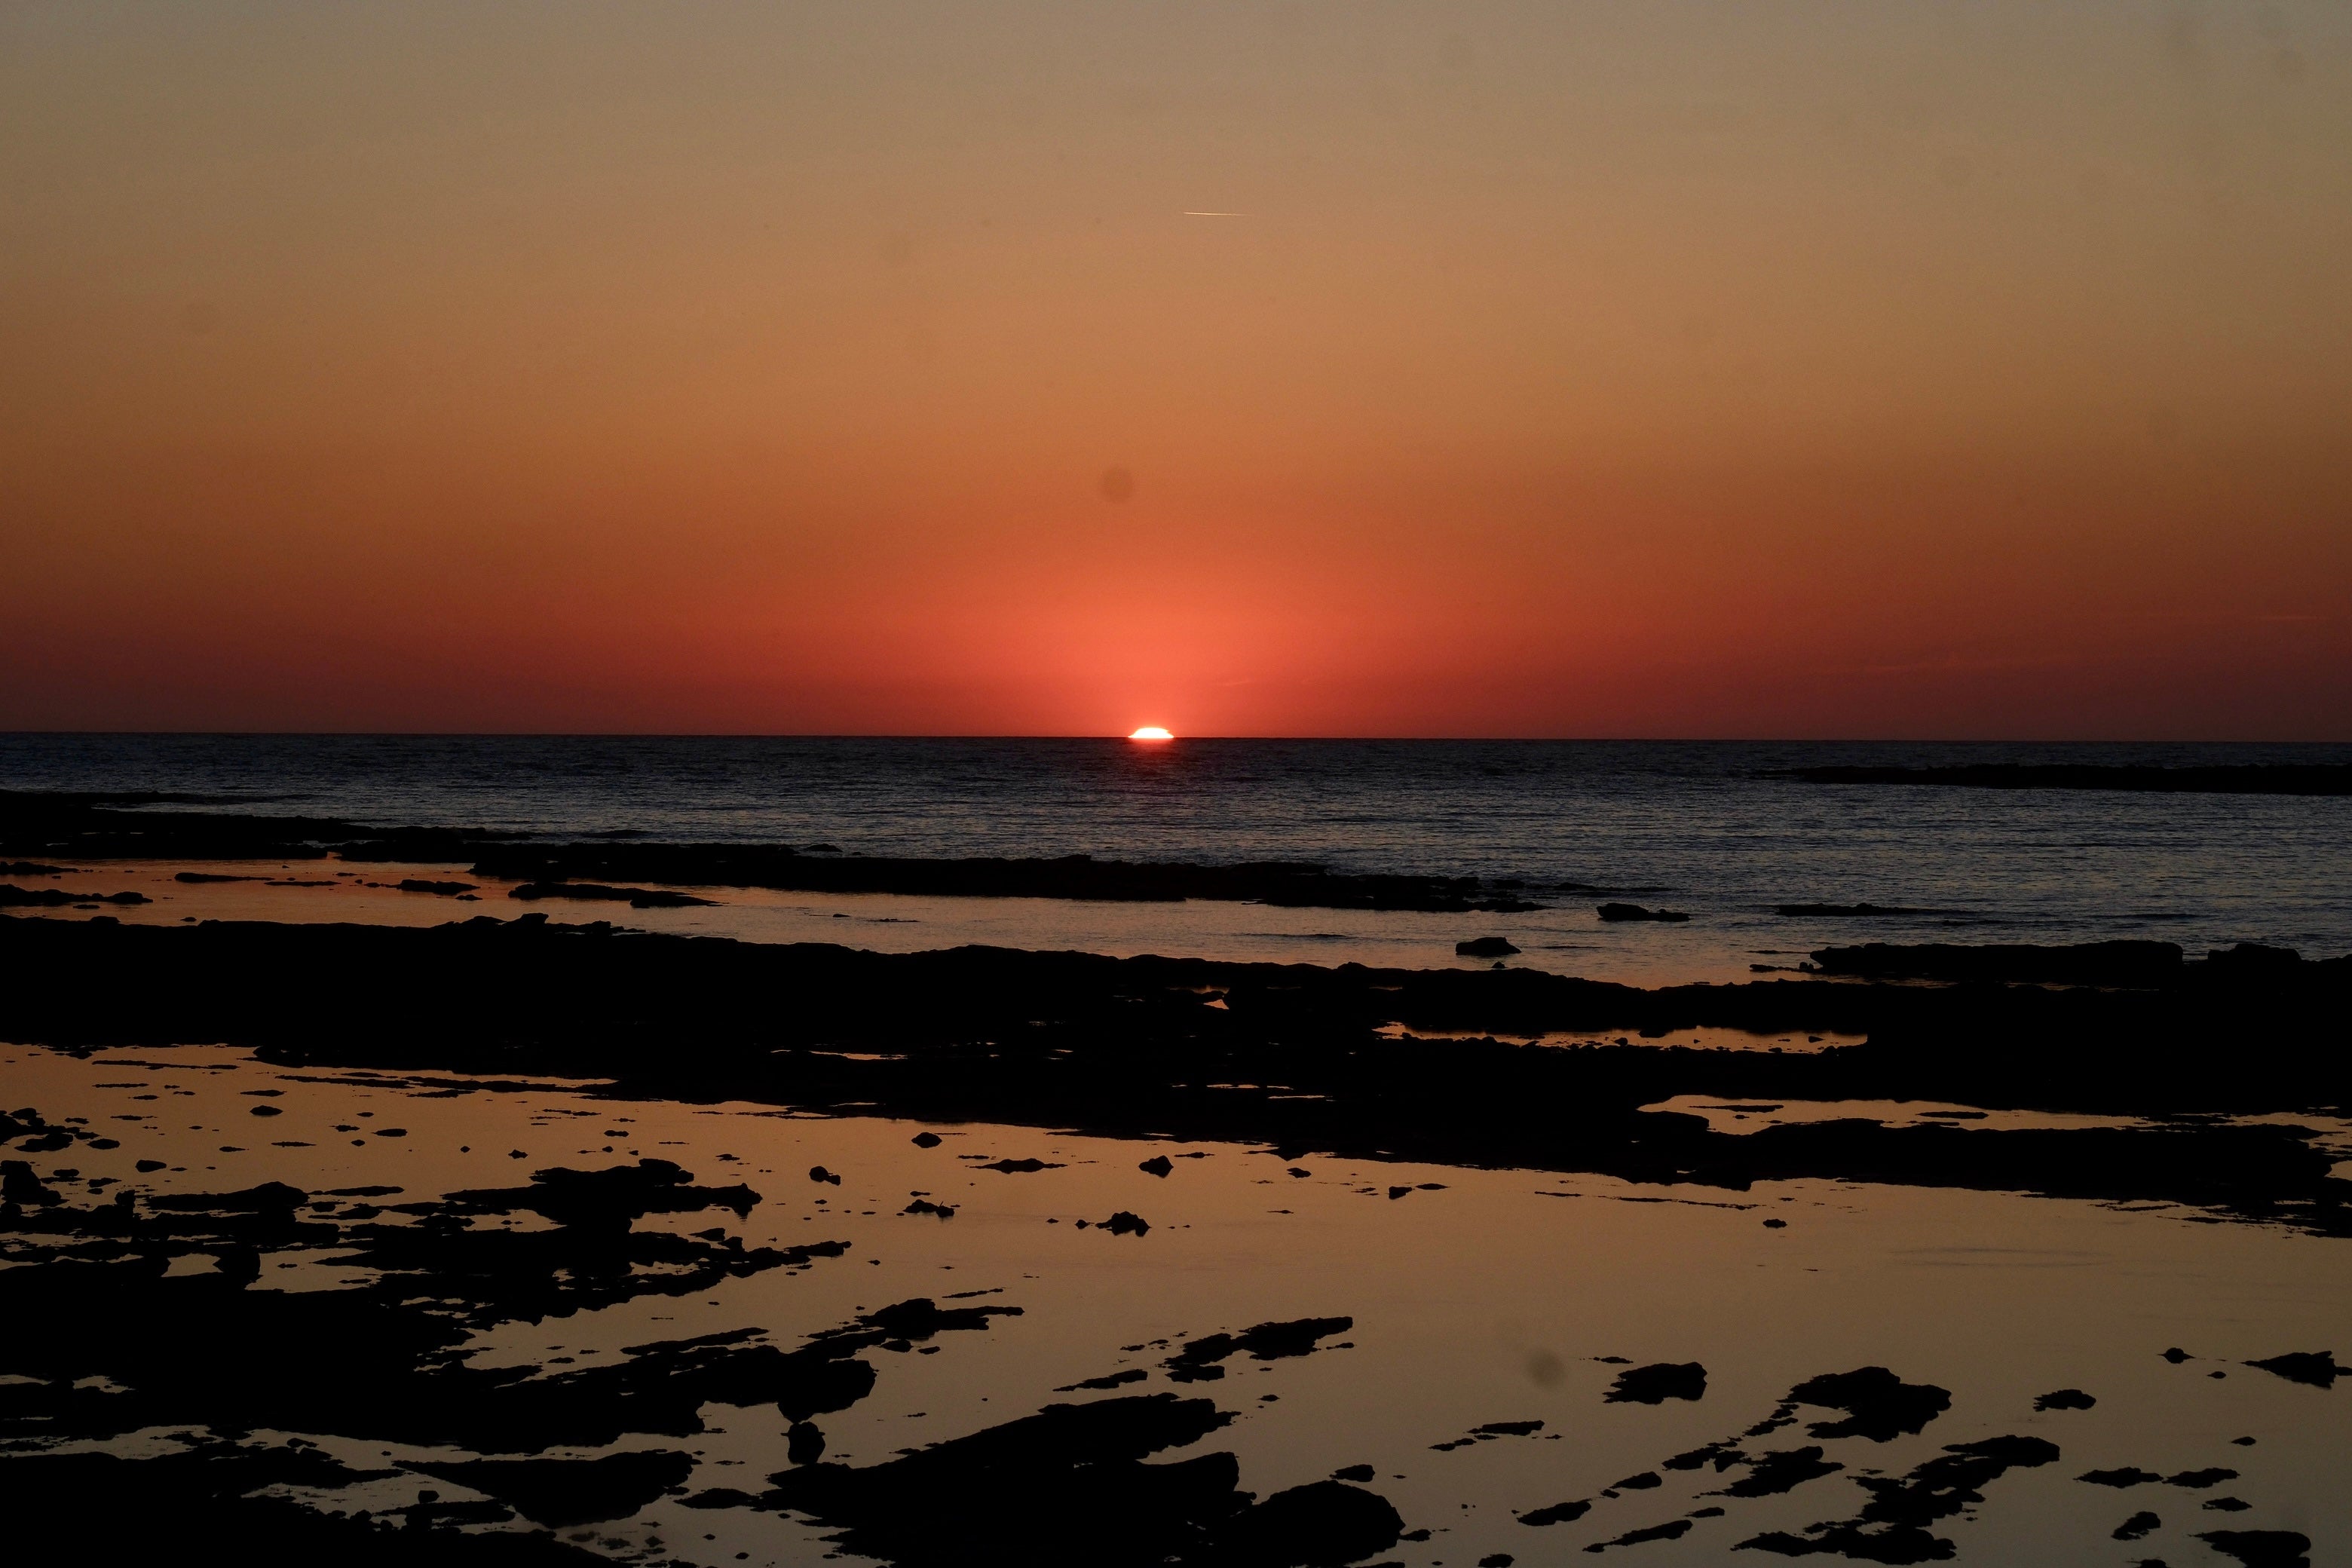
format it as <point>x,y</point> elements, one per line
<point>1295,1056</point>
<point>106,826</point>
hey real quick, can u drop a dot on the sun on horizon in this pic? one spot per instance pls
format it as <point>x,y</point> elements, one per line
<point>1150,733</point>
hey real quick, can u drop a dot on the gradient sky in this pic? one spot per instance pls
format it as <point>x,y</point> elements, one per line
<point>1858,369</point>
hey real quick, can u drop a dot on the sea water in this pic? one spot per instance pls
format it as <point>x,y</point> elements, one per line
<point>1717,830</point>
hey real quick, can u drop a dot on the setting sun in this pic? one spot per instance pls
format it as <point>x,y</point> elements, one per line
<point>1151,732</point>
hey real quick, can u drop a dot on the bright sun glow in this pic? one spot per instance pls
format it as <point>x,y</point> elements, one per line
<point>1151,732</point>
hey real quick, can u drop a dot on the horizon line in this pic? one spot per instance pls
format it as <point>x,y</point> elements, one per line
<point>194,733</point>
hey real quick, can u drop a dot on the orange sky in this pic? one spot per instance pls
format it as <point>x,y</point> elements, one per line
<point>1668,369</point>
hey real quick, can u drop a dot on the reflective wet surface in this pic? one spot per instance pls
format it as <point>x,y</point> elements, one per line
<point>1477,1302</point>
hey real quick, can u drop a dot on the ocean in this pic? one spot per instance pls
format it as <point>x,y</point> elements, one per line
<point>1708,827</point>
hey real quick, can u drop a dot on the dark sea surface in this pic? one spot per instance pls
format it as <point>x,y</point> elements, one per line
<point>1700,826</point>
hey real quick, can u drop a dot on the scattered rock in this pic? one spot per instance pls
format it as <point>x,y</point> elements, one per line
<point>562,1492</point>
<point>2128,1476</point>
<point>1120,1379</point>
<point>1782,1470</point>
<point>2317,1368</point>
<point>1320,1523</point>
<point>1201,1359</point>
<point>1673,1529</point>
<point>1617,912</point>
<point>1878,1405</point>
<point>1657,1383</point>
<point>2260,1548</point>
<point>2200,1480</point>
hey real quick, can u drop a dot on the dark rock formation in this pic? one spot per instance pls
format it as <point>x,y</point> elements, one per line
<point>1657,1383</point>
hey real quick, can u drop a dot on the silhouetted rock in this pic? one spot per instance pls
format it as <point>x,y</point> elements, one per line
<point>1485,947</point>
<point>1657,1383</point>
<point>1120,1379</point>
<point>57,898</point>
<point>1615,912</point>
<point>101,1507</point>
<point>1286,884</point>
<point>1673,1529</point>
<point>2200,1480</point>
<point>1878,1405</point>
<point>560,1492</point>
<point>1158,1165</point>
<point>1322,1522</point>
<point>924,1139</point>
<point>2138,1527</point>
<point>803,1442</point>
<point>1892,1525</point>
<point>1123,1046</point>
<point>1557,1513</point>
<point>2128,1476</point>
<point>1780,1471</point>
<point>2064,1399</point>
<point>445,889</point>
<point>2253,961</point>
<point>1199,1360</point>
<point>2260,1548</point>
<point>2317,1368</point>
<point>1066,1486</point>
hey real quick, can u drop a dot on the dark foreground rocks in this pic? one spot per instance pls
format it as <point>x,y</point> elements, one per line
<point>113,1333</point>
<point>1293,1056</point>
<point>1077,1484</point>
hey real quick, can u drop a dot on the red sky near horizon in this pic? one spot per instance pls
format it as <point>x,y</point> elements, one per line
<point>1664,369</point>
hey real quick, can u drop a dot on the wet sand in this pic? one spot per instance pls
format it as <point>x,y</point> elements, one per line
<point>1472,1300</point>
